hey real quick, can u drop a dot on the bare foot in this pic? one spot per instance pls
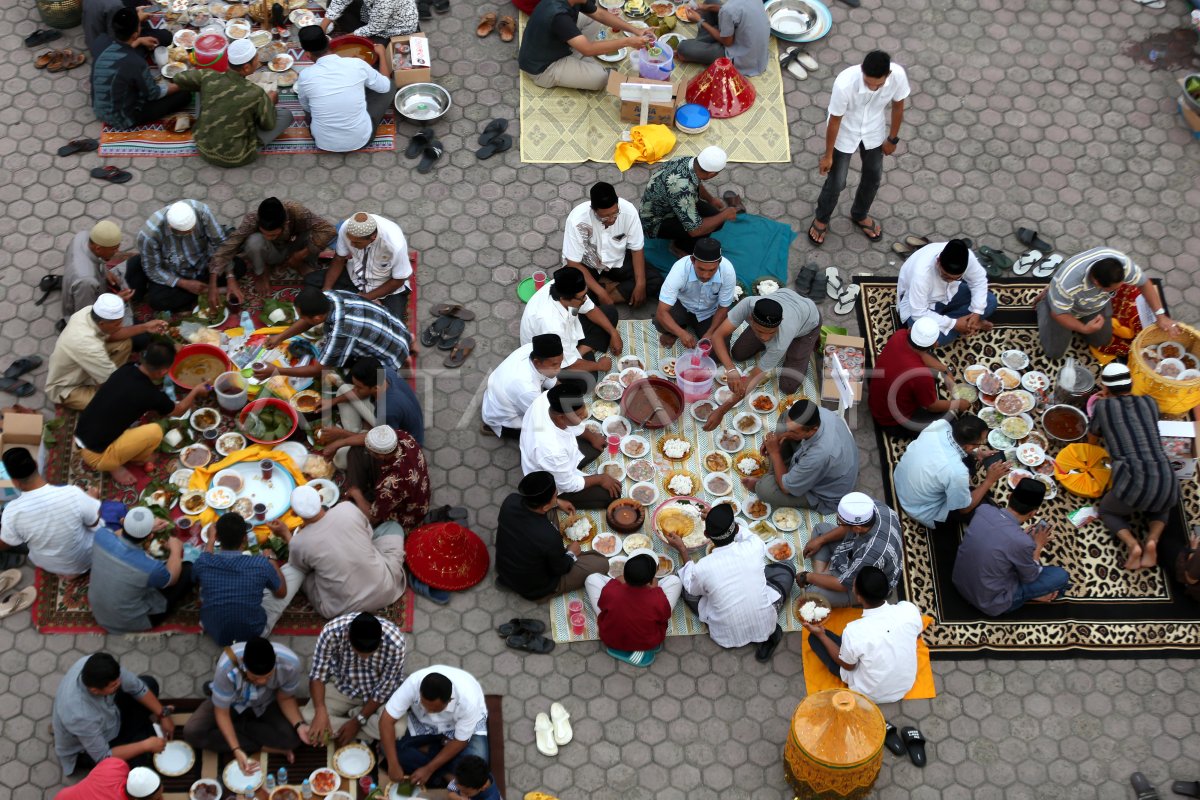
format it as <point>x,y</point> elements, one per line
<point>666,340</point>
<point>123,476</point>
<point>1135,558</point>
<point>986,326</point>
<point>1150,555</point>
<point>1046,598</point>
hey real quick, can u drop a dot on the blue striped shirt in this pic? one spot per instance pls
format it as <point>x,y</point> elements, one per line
<point>168,256</point>
<point>230,689</point>
<point>121,84</point>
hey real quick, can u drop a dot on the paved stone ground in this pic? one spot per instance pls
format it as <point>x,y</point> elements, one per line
<point>1024,114</point>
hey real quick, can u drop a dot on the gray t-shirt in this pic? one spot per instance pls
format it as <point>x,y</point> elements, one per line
<point>824,468</point>
<point>84,722</point>
<point>800,317</point>
<point>746,21</point>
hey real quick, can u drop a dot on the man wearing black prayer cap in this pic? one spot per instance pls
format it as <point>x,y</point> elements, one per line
<point>784,327</point>
<point>513,386</point>
<point>554,439</point>
<point>999,566</point>
<point>814,460</point>
<point>730,590</point>
<point>563,307</point>
<point>530,556</point>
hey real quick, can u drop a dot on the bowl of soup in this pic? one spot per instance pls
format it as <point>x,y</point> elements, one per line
<point>198,363</point>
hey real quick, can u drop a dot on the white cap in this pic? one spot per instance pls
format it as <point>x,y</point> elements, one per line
<point>142,782</point>
<point>382,439</point>
<point>1116,375</point>
<point>924,332</point>
<point>109,306</point>
<point>138,522</point>
<point>856,508</point>
<point>181,217</point>
<point>712,159</point>
<point>306,502</point>
<point>240,51</point>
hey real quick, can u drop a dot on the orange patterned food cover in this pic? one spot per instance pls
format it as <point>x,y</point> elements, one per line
<point>835,746</point>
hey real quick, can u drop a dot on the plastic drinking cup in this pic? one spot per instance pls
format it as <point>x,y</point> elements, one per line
<point>211,435</point>
<point>578,624</point>
<point>575,607</point>
<point>705,346</point>
<point>260,512</point>
<point>184,525</point>
<point>614,444</point>
<point>539,279</point>
<point>268,467</point>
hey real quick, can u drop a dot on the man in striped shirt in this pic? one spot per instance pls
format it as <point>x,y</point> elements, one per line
<point>176,245</point>
<point>1079,299</point>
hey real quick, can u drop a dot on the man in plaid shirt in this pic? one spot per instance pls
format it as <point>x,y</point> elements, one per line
<point>357,664</point>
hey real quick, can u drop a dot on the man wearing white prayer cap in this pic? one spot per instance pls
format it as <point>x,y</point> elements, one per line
<point>143,784</point>
<point>236,116</point>
<point>677,206</point>
<point>867,534</point>
<point>95,342</point>
<point>371,259</point>
<point>176,244</point>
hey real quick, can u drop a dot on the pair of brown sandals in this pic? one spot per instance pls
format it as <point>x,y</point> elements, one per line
<point>487,23</point>
<point>59,60</point>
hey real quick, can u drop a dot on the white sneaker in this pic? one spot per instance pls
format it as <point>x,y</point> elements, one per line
<point>562,724</point>
<point>543,730</point>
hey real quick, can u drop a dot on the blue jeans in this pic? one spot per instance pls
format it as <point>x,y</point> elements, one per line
<point>1052,579</point>
<point>818,648</point>
<point>958,307</point>
<point>414,752</point>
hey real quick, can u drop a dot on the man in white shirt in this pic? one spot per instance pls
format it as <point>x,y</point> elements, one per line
<point>513,386</point>
<point>557,308</point>
<point>371,258</point>
<point>55,525</point>
<point>946,282</point>
<point>344,98</point>
<point>857,122</point>
<point>447,720</point>
<point>875,655</point>
<point>554,440</point>
<point>603,239</point>
<point>730,590</point>
<point>696,296</point>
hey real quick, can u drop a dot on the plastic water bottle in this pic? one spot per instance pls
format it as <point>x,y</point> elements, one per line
<point>270,784</point>
<point>169,390</point>
<point>247,323</point>
<point>281,776</point>
<point>306,790</point>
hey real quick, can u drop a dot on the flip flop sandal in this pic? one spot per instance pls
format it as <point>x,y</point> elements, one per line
<point>834,285</point>
<point>424,12</point>
<point>902,249</point>
<point>452,333</point>
<point>914,742</point>
<point>19,368</point>
<point>418,142</point>
<point>1140,784</point>
<point>17,602</point>
<point>788,62</point>
<point>1029,238</point>
<point>9,579</point>
<point>867,229</point>
<point>460,353</point>
<point>530,643</point>
<point>1153,5</point>
<point>518,625</point>
<point>41,36</point>
<point>805,279</point>
<point>487,24</point>
<point>822,231</point>
<point>500,144</point>
<point>112,174</point>
<point>1047,267</point>
<point>1186,788</point>
<point>997,258</point>
<point>916,242</point>
<point>808,62</point>
<point>47,58</point>
<point>892,741</point>
<point>70,60</point>
<point>819,292</point>
<point>857,3</point>
<point>1026,262</point>
<point>442,7</point>
<point>78,146</point>
<point>508,29</point>
<point>433,334</point>
<point>16,387</point>
<point>450,310</point>
<point>433,152</point>
<point>847,300</point>
<point>493,129</point>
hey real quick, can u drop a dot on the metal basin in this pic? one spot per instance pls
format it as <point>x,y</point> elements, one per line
<point>422,102</point>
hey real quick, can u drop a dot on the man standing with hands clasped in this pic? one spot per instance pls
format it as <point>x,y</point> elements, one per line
<point>857,122</point>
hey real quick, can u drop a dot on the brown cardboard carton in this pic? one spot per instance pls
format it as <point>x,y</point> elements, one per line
<point>418,61</point>
<point>631,112</point>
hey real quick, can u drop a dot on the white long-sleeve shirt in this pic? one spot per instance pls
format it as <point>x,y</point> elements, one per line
<point>920,286</point>
<point>736,602</point>
<point>331,93</point>
<point>545,446</point>
<point>511,389</point>
<point>544,314</point>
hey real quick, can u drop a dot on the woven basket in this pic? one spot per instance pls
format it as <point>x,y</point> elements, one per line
<point>1174,397</point>
<point>61,13</point>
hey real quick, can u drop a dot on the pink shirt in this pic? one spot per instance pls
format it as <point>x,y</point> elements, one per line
<point>106,781</point>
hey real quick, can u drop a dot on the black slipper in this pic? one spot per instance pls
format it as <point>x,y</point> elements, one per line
<point>1186,788</point>
<point>433,334</point>
<point>493,129</point>
<point>1143,787</point>
<point>454,310</point>
<point>530,643</point>
<point>805,279</point>
<point>78,146</point>
<point>1029,238</point>
<point>442,7</point>
<point>423,12</point>
<point>459,353</point>
<point>23,365</point>
<point>16,387</point>
<point>452,333</point>
<point>40,37</point>
<point>732,200</point>
<point>820,287</point>
<point>499,144</point>
<point>112,174</point>
<point>431,154</point>
<point>416,145</point>
<point>521,624</point>
<point>891,740</point>
<point>914,742</point>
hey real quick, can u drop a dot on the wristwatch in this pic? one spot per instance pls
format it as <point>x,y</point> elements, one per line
<point>360,719</point>
<point>894,139</point>
<point>1160,312</point>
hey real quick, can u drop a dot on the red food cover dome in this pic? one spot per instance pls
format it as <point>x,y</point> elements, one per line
<point>447,556</point>
<point>722,90</point>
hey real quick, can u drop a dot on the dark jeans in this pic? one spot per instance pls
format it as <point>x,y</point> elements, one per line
<point>136,726</point>
<point>253,733</point>
<point>161,297</point>
<point>593,497</point>
<point>795,360</point>
<point>414,752</point>
<point>872,174</point>
<point>397,303</point>
<point>162,107</point>
<point>378,104</point>
<point>959,307</point>
<point>686,320</point>
<point>626,279</point>
<point>1052,579</point>
<point>175,594</point>
<point>820,651</point>
<point>920,420</point>
<point>673,229</point>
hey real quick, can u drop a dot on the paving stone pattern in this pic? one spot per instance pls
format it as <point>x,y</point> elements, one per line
<point>1022,113</point>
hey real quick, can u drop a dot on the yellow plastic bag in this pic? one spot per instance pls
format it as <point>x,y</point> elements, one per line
<point>1083,469</point>
<point>648,143</point>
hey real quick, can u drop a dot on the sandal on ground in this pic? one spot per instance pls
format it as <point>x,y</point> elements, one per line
<point>874,231</point>
<point>806,61</point>
<point>432,154</point>
<point>1029,238</point>
<point>19,368</point>
<point>487,24</point>
<point>734,201</point>
<point>892,740</point>
<point>78,146</point>
<point>41,36</point>
<point>561,720</point>
<point>500,144</point>
<point>1153,5</point>
<point>805,279</point>
<point>459,353</point>
<point>1046,269</point>
<point>1025,263</point>
<point>451,333</point>
<point>453,310</point>
<point>493,129</point>
<point>847,300</point>
<point>530,643</point>
<point>819,292</point>
<point>433,334</point>
<point>68,60</point>
<point>996,258</point>
<point>789,63</point>
<point>18,601</point>
<point>112,174</point>
<point>9,580</point>
<point>424,12</point>
<point>634,658</point>
<point>916,242</point>
<point>519,624</point>
<point>834,285</point>
<point>1186,788</point>
<point>16,387</point>
<point>507,29</point>
<point>543,731</point>
<point>914,743</point>
<point>1142,786</point>
<point>822,232</point>
<point>902,249</point>
<point>47,58</point>
<point>418,143</point>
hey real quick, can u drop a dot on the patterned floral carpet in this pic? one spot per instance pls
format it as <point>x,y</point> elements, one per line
<point>1108,611</point>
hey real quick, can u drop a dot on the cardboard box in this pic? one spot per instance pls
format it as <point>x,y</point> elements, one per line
<point>829,390</point>
<point>418,61</point>
<point>631,111</point>
<point>1183,464</point>
<point>20,430</point>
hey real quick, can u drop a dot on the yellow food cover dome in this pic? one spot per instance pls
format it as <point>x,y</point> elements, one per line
<point>838,727</point>
<point>1083,469</point>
